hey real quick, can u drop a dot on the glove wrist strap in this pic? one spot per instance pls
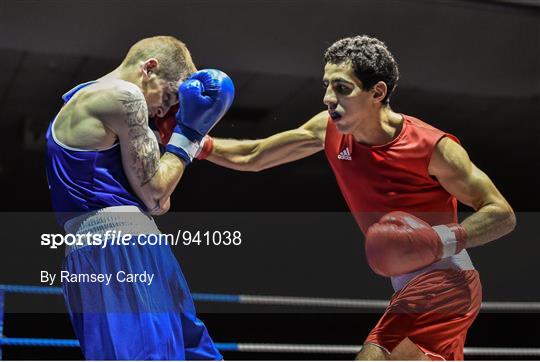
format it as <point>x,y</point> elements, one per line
<point>182,146</point>
<point>453,239</point>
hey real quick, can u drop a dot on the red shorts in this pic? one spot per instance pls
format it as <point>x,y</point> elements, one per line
<point>434,310</point>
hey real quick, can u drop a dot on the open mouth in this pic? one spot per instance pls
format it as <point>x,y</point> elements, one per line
<point>334,115</point>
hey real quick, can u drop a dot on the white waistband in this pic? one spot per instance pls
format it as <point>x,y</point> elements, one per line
<point>127,219</point>
<point>460,261</point>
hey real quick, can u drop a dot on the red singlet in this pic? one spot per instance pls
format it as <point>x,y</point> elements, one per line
<point>434,306</point>
<point>378,179</point>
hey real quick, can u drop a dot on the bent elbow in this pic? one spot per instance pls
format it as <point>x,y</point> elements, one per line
<point>150,195</point>
<point>152,205</point>
<point>161,208</point>
<point>507,218</point>
<point>511,220</point>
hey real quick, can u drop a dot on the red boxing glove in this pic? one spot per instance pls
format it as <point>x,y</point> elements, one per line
<point>206,149</point>
<point>165,125</point>
<point>401,243</point>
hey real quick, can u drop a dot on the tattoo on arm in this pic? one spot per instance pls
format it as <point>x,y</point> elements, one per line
<point>143,147</point>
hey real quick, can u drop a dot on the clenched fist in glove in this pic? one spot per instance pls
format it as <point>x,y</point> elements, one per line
<point>204,99</point>
<point>401,243</point>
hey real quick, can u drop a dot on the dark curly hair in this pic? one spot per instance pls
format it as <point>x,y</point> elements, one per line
<point>370,59</point>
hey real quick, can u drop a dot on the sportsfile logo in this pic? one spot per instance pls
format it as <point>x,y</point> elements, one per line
<point>345,155</point>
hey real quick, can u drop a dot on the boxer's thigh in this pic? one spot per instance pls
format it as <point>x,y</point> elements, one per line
<point>454,303</point>
<point>399,319</point>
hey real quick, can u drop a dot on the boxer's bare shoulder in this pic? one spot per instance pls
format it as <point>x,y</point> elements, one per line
<point>114,101</point>
<point>451,164</point>
<point>122,104</point>
<point>88,120</point>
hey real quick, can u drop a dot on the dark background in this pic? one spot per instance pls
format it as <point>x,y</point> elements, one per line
<point>471,68</point>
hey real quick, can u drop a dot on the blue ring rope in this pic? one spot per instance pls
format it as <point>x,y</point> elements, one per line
<point>239,347</point>
<point>228,347</point>
<point>30,289</point>
<point>209,297</point>
<point>73,343</point>
<point>39,342</point>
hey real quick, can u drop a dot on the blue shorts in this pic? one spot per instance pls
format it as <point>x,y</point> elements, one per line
<point>133,320</point>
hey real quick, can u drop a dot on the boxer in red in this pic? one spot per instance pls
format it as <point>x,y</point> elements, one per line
<point>401,179</point>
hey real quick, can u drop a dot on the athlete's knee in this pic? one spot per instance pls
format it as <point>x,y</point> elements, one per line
<point>372,352</point>
<point>406,350</point>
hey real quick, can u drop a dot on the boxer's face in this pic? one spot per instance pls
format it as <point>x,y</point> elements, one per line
<point>160,95</point>
<point>348,104</point>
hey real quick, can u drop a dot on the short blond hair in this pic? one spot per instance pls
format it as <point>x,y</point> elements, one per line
<point>175,61</point>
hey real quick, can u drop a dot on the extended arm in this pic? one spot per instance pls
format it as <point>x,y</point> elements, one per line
<point>257,155</point>
<point>494,217</point>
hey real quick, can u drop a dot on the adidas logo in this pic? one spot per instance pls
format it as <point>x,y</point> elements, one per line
<point>345,155</point>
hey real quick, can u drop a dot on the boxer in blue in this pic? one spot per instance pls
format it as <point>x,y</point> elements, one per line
<point>105,173</point>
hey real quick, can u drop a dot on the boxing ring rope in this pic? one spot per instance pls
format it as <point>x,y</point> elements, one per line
<point>272,300</point>
<point>288,301</point>
<point>278,347</point>
<point>345,303</point>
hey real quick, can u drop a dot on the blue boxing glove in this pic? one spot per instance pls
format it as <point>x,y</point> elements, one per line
<point>204,98</point>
